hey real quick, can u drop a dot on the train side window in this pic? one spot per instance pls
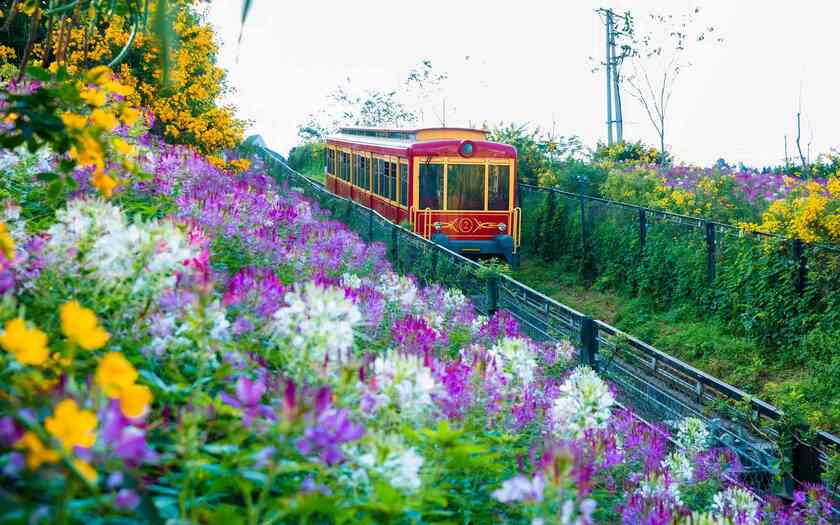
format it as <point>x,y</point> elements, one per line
<point>392,180</point>
<point>404,184</point>
<point>465,187</point>
<point>498,187</point>
<point>327,160</point>
<point>431,186</point>
<point>381,178</point>
<point>338,164</point>
<point>363,172</point>
<point>346,157</point>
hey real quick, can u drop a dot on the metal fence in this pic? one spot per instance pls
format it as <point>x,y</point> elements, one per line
<point>657,386</point>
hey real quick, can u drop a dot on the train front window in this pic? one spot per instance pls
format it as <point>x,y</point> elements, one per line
<point>498,187</point>
<point>465,187</point>
<point>431,186</point>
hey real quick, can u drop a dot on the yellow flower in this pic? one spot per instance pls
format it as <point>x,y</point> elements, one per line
<point>104,183</point>
<point>93,97</point>
<point>71,426</point>
<point>36,453</point>
<point>7,243</point>
<point>29,345</point>
<point>123,147</point>
<point>79,324</point>
<point>104,119</point>
<point>99,75</point>
<point>114,374</point>
<point>130,116</point>
<point>120,89</point>
<point>134,400</point>
<point>87,471</point>
<point>74,121</point>
<point>88,152</point>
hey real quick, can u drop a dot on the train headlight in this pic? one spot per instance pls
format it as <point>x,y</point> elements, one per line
<point>437,226</point>
<point>502,227</point>
<point>466,148</point>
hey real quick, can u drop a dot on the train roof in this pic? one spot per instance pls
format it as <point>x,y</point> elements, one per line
<point>416,134</point>
<point>419,141</point>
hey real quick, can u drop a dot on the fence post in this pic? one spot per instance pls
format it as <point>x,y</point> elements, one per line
<point>801,269</point>
<point>492,294</point>
<point>642,231</point>
<point>589,343</point>
<point>710,252</point>
<point>805,462</point>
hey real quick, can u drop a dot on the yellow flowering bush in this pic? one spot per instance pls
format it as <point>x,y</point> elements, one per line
<point>187,109</point>
<point>91,130</point>
<point>811,213</point>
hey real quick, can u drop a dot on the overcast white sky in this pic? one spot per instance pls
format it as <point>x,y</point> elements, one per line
<point>529,63</point>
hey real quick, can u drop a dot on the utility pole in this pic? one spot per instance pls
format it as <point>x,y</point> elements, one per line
<point>612,63</point>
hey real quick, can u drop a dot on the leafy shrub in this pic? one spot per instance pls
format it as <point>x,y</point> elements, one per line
<point>187,107</point>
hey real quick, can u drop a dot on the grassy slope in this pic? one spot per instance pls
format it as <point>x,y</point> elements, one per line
<point>681,332</point>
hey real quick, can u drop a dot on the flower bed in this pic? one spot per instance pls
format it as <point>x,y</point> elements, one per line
<point>213,348</point>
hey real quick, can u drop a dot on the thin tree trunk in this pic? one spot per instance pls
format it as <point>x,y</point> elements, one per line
<point>48,43</point>
<point>805,169</point>
<point>11,15</point>
<point>33,30</point>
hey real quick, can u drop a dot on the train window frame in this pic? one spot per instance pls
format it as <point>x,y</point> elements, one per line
<point>482,163</point>
<point>402,173</point>
<point>445,161</point>
<point>392,180</point>
<point>418,164</point>
<point>508,203</point>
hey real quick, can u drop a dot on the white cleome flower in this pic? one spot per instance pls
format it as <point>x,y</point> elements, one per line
<point>584,402</point>
<point>692,436</point>
<point>398,290</point>
<point>520,488</point>
<point>400,466</point>
<point>316,323</point>
<point>94,237</point>
<point>477,324</point>
<point>515,359</point>
<point>680,466</point>
<point>406,382</point>
<point>454,299</point>
<point>658,485</point>
<point>352,281</point>
<point>737,504</point>
<point>565,352</point>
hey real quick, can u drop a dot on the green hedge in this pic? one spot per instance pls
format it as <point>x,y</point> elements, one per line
<point>753,293</point>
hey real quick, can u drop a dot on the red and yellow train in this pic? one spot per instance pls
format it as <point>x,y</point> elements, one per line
<point>451,185</point>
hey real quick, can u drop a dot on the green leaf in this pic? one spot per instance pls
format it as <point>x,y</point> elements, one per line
<point>227,515</point>
<point>55,189</point>
<point>46,176</point>
<point>39,73</point>
<point>66,165</point>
